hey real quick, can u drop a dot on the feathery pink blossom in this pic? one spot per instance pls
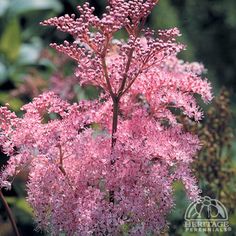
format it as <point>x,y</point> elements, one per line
<point>97,167</point>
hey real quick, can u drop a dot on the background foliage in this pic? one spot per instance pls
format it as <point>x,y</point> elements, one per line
<point>209,30</point>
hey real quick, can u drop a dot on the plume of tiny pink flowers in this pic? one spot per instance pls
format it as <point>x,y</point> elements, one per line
<point>97,167</point>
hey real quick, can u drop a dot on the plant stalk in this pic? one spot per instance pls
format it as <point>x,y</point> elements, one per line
<point>114,120</point>
<point>9,213</point>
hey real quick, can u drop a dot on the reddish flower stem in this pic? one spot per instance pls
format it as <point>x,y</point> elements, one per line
<point>116,97</point>
<point>113,138</point>
<point>9,213</point>
<point>114,120</point>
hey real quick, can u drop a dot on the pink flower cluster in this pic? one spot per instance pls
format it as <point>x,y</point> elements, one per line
<point>107,166</point>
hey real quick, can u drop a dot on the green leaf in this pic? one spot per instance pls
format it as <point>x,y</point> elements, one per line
<point>10,41</point>
<point>29,54</point>
<point>24,6</point>
<point>14,103</point>
<point>3,6</point>
<point>21,209</point>
<point>20,203</point>
<point>164,15</point>
<point>48,64</point>
<point>3,73</point>
<point>24,206</point>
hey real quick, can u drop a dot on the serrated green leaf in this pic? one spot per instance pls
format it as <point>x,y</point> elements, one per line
<point>10,41</point>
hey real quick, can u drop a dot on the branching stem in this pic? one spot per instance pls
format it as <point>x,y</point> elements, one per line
<point>117,96</point>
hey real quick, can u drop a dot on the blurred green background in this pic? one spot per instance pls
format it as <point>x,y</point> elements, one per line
<point>28,67</point>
